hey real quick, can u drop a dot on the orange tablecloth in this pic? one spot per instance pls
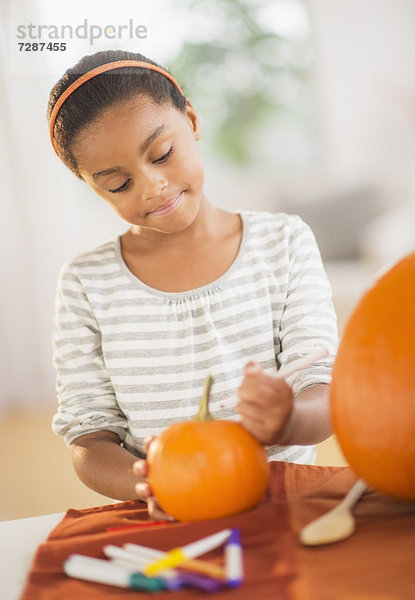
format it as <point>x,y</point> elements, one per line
<point>376,563</point>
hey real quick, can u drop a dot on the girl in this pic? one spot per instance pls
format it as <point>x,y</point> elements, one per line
<point>188,289</point>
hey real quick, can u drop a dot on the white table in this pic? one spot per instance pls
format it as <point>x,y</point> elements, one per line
<point>19,540</point>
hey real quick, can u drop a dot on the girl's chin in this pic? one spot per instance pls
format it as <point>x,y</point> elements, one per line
<point>177,220</point>
<point>170,226</point>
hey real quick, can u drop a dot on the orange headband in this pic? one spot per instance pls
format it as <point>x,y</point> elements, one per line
<point>97,71</point>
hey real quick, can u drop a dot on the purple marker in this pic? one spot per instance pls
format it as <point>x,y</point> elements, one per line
<point>233,559</point>
<point>201,582</point>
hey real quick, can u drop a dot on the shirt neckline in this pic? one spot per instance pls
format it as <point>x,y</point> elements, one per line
<point>195,291</point>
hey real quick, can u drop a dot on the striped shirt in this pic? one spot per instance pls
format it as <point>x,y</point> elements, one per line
<point>132,359</point>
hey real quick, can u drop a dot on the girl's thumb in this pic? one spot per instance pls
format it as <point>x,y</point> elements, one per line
<point>252,368</point>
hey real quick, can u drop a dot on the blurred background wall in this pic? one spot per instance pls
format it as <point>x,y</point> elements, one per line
<point>307,106</point>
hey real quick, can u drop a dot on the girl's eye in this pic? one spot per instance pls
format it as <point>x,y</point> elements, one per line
<point>166,156</point>
<point>158,161</point>
<point>122,187</point>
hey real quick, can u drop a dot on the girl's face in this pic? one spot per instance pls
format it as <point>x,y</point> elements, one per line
<point>144,160</point>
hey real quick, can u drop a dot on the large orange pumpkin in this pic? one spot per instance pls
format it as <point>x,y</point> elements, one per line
<point>206,468</point>
<point>372,394</point>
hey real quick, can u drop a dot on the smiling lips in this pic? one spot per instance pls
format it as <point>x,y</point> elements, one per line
<point>168,207</point>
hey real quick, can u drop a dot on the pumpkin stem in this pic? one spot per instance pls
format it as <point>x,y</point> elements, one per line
<point>203,414</point>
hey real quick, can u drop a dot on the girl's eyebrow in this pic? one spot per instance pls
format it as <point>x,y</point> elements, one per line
<point>158,130</point>
<point>105,172</point>
<point>144,146</point>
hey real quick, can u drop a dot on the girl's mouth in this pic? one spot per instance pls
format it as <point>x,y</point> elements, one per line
<point>167,207</point>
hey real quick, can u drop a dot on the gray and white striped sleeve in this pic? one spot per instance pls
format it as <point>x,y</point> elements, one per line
<point>86,398</point>
<point>309,319</point>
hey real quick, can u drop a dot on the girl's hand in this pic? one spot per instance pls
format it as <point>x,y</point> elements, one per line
<point>265,405</point>
<point>143,490</point>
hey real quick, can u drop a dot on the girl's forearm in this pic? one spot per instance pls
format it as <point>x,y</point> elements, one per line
<point>103,465</point>
<point>310,421</point>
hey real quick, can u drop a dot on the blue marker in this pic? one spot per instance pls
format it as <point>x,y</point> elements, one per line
<point>233,559</point>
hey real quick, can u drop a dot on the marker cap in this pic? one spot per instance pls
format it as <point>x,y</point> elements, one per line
<point>150,584</point>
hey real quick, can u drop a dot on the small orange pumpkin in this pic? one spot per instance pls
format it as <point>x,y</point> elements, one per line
<point>372,393</point>
<point>206,468</point>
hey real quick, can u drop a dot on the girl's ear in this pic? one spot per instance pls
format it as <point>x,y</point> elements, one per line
<point>193,120</point>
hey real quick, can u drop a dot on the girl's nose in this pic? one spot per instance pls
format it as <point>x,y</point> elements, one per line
<point>152,185</point>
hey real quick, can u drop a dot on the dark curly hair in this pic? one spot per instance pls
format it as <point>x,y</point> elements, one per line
<point>88,102</point>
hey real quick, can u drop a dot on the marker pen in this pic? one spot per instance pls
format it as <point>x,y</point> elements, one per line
<point>181,579</point>
<point>137,561</point>
<point>201,582</point>
<point>178,556</point>
<point>194,565</point>
<point>102,571</point>
<point>233,559</point>
<point>172,583</point>
<point>174,579</point>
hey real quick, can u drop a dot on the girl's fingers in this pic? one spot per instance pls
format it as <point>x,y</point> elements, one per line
<point>155,511</point>
<point>147,441</point>
<point>143,490</point>
<point>256,430</point>
<point>250,411</point>
<point>263,391</point>
<point>252,368</point>
<point>140,468</point>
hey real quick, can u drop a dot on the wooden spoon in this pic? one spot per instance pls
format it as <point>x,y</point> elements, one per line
<point>338,523</point>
